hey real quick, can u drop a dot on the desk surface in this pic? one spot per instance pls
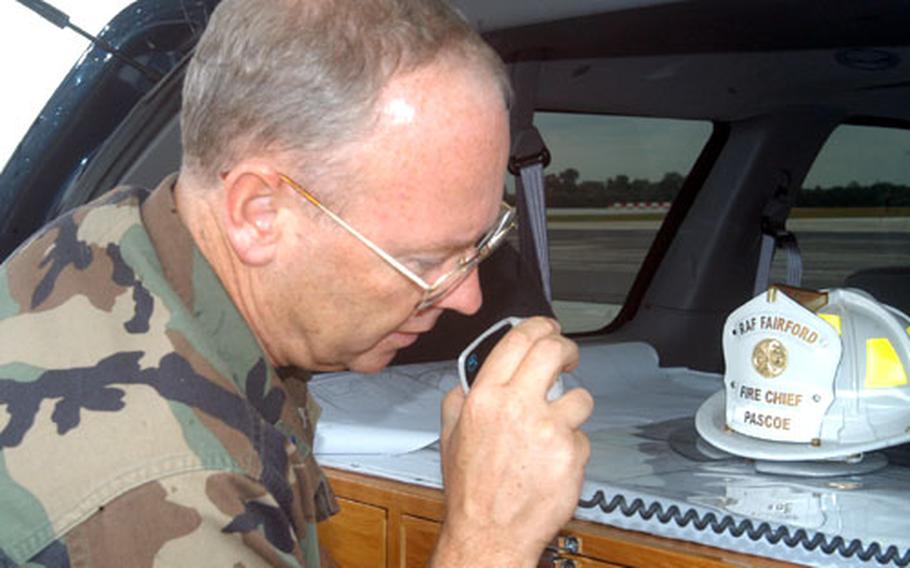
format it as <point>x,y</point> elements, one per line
<point>655,475</point>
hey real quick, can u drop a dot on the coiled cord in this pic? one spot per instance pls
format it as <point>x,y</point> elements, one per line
<point>755,532</point>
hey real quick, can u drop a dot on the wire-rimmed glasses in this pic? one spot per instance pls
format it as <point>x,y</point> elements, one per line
<point>447,282</point>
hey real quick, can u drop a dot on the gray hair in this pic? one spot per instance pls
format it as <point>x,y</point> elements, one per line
<point>305,75</point>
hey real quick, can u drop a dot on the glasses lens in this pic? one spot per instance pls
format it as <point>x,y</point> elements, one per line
<point>489,242</point>
<point>445,285</point>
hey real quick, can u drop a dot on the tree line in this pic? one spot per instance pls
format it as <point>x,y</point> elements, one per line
<point>880,194</point>
<point>566,189</point>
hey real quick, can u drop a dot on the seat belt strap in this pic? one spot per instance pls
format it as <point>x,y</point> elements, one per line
<point>794,262</point>
<point>769,245</point>
<point>776,236</point>
<point>529,157</point>
<point>533,191</point>
<point>765,258</point>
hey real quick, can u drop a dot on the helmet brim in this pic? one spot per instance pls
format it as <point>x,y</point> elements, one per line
<point>710,422</point>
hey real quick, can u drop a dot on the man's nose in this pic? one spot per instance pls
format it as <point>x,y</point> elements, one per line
<point>466,298</point>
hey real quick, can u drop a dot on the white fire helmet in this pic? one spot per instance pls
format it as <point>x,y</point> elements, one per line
<point>811,376</point>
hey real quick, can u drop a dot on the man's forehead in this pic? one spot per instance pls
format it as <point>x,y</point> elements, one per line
<point>435,228</point>
<point>433,165</point>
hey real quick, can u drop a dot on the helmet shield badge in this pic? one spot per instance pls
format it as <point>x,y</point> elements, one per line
<point>781,360</point>
<point>811,376</point>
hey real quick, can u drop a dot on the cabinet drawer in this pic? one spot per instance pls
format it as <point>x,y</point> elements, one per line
<point>398,530</point>
<point>356,536</point>
<point>418,538</point>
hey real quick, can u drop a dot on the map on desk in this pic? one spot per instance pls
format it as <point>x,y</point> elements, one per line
<point>392,412</point>
<point>648,470</point>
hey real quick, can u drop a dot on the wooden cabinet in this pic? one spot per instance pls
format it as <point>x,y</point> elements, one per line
<point>417,539</point>
<point>393,524</point>
<point>356,536</point>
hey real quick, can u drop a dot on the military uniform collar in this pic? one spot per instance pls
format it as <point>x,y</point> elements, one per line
<point>191,276</point>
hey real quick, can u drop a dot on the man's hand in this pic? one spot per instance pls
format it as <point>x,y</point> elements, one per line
<point>513,463</point>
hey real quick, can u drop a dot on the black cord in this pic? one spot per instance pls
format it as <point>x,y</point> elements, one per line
<point>755,532</point>
<point>62,21</point>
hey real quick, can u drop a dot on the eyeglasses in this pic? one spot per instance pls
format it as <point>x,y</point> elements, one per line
<point>447,282</point>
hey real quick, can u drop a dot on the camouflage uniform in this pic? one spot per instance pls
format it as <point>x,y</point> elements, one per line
<point>140,422</point>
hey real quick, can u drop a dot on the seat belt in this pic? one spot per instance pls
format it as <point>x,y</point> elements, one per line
<point>529,156</point>
<point>776,236</point>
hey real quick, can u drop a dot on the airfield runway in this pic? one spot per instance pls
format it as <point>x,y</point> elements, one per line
<point>598,261</point>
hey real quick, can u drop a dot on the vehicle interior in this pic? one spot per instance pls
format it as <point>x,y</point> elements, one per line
<point>691,144</point>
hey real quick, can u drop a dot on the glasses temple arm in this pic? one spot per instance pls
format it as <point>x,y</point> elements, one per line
<point>372,246</point>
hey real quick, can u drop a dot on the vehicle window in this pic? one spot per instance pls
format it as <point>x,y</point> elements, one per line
<point>611,181</point>
<point>852,217</point>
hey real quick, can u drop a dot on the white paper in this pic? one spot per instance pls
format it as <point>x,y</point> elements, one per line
<point>392,412</point>
<point>630,388</point>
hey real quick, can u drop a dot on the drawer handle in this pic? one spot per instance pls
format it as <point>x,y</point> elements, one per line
<point>553,554</point>
<point>552,559</point>
<point>568,544</point>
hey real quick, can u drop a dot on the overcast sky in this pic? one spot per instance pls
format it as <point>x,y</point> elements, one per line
<point>36,56</point>
<point>600,147</point>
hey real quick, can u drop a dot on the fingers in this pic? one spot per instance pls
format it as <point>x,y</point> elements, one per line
<point>583,447</point>
<point>451,410</point>
<point>574,407</point>
<point>543,362</point>
<point>509,353</point>
<point>529,357</point>
<point>494,438</point>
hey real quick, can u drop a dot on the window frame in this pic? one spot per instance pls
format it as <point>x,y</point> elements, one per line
<point>663,238</point>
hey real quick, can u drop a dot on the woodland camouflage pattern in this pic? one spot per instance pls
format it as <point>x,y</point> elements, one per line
<point>140,423</point>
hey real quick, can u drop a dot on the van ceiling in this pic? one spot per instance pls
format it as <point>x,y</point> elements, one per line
<point>714,59</point>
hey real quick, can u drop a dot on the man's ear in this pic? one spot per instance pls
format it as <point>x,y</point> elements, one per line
<point>251,212</point>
